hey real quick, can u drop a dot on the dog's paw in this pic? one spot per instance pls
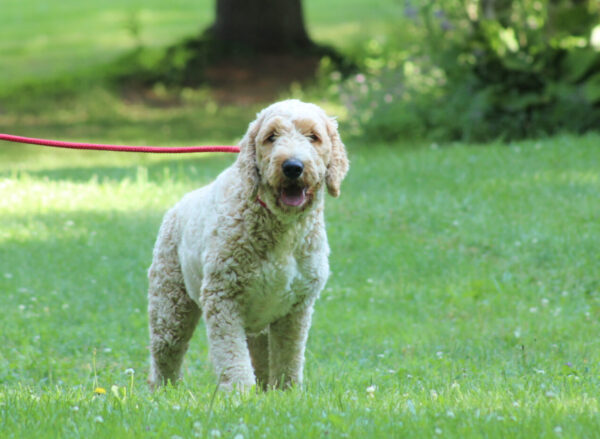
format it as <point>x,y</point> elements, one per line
<point>245,384</point>
<point>237,388</point>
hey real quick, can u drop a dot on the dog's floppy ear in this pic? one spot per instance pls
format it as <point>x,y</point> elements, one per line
<point>338,164</point>
<point>247,158</point>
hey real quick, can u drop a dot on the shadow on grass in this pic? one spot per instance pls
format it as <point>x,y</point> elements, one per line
<point>164,123</point>
<point>154,117</point>
<point>201,168</point>
<point>76,280</point>
<point>61,249</point>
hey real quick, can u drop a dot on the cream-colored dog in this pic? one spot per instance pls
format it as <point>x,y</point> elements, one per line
<point>249,253</point>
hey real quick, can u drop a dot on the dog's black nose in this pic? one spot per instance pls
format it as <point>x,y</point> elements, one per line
<point>292,168</point>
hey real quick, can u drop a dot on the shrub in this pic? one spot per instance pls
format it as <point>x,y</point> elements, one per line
<point>488,69</point>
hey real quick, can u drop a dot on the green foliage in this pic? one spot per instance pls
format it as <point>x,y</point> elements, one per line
<point>489,69</point>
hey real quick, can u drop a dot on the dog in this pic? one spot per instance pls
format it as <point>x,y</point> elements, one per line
<point>249,253</point>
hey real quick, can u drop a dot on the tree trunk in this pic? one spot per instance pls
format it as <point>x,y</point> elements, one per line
<point>261,25</point>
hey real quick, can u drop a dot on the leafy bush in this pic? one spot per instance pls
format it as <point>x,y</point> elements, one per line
<point>485,69</point>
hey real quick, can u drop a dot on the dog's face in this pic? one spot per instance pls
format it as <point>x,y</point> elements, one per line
<point>291,151</point>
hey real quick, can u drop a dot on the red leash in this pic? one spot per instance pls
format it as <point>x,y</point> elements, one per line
<point>119,148</point>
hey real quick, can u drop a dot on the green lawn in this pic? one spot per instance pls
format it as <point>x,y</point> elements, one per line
<point>464,299</point>
<point>44,39</point>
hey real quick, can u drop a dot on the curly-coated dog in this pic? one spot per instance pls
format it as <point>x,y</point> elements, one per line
<point>249,253</point>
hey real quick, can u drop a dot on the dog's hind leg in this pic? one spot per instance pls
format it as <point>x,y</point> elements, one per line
<point>173,316</point>
<point>259,354</point>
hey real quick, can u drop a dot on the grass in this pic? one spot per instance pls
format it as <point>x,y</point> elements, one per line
<point>463,302</point>
<point>43,39</point>
<point>464,299</point>
<point>55,56</point>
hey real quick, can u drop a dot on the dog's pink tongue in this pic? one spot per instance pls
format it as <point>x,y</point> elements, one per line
<point>293,196</point>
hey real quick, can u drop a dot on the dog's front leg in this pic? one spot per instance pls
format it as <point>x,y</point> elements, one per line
<point>287,341</point>
<point>227,342</point>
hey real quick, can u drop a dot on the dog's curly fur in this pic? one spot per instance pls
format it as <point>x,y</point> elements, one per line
<point>249,254</point>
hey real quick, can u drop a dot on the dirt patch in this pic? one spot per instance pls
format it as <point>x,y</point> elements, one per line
<point>263,78</point>
<point>234,81</point>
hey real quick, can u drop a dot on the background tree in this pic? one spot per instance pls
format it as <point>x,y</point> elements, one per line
<point>254,50</point>
<point>261,25</point>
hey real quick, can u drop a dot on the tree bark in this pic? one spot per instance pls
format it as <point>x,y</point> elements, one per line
<point>261,25</point>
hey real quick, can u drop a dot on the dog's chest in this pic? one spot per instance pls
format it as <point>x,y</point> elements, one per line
<point>272,289</point>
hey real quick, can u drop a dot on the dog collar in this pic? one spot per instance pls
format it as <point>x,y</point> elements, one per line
<point>262,203</point>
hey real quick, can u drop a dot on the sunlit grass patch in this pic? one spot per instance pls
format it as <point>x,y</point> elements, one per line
<point>40,40</point>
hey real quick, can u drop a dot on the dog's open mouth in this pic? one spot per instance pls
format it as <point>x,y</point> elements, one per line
<point>294,195</point>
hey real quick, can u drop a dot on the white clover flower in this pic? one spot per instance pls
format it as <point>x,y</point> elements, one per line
<point>371,390</point>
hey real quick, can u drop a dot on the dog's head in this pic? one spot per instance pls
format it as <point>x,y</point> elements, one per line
<point>290,152</point>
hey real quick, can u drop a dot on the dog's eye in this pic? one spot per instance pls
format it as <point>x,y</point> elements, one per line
<point>313,137</point>
<point>271,138</point>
